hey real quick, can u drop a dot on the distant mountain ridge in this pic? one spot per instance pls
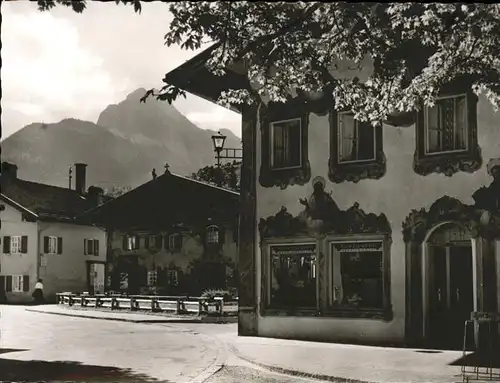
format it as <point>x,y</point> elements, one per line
<point>129,140</point>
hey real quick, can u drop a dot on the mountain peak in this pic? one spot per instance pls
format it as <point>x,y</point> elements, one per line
<point>137,94</point>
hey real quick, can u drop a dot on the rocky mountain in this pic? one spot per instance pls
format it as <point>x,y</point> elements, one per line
<point>128,141</point>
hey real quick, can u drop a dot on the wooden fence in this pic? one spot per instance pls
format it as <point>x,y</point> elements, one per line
<point>167,304</point>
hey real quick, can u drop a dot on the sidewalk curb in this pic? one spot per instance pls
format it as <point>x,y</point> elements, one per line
<point>290,372</point>
<point>150,321</point>
<point>217,365</point>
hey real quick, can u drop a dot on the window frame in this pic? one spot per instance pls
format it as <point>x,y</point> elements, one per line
<point>268,116</point>
<point>427,131</point>
<point>210,229</point>
<point>340,140</point>
<point>52,245</point>
<point>15,287</point>
<point>334,258</point>
<point>267,308</point>
<point>132,242</point>
<point>93,247</point>
<point>18,242</point>
<point>171,241</point>
<point>271,145</point>
<point>152,275</point>
<point>353,171</point>
<point>449,162</point>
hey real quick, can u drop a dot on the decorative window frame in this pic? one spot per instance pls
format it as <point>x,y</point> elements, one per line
<point>338,310</point>
<point>267,309</point>
<point>354,171</point>
<point>449,163</point>
<point>279,112</point>
<point>94,248</point>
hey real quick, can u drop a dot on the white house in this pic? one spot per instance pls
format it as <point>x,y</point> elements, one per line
<point>42,238</point>
<point>387,235</point>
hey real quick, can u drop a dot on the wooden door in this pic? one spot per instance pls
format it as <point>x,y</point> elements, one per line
<point>438,299</point>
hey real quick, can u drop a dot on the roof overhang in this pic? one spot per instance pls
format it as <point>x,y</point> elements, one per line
<point>18,206</point>
<point>195,78</point>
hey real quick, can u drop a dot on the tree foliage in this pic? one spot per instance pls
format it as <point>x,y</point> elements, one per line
<point>117,191</point>
<point>415,49</point>
<point>227,175</point>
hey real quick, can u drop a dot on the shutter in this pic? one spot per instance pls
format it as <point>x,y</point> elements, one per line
<point>46,245</point>
<point>165,242</point>
<point>26,283</point>
<point>59,245</point>
<point>146,242</point>
<point>124,242</point>
<point>6,245</point>
<point>222,235</point>
<point>84,247</point>
<point>178,242</point>
<point>96,247</point>
<point>24,244</point>
<point>158,241</point>
<point>137,242</point>
<point>2,284</point>
<point>8,285</point>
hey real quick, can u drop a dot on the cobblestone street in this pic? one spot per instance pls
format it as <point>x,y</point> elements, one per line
<point>44,347</point>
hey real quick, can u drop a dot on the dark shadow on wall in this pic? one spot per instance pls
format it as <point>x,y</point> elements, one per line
<point>6,350</point>
<point>64,371</point>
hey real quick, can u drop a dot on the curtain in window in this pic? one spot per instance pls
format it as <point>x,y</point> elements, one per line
<point>286,144</point>
<point>348,150</point>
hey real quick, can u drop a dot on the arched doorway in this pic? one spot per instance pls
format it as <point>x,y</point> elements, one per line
<point>449,280</point>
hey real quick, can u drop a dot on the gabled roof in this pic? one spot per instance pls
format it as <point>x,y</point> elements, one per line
<point>195,78</point>
<point>44,202</point>
<point>168,199</point>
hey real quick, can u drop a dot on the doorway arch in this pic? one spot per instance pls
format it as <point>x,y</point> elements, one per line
<point>449,276</point>
<point>420,230</point>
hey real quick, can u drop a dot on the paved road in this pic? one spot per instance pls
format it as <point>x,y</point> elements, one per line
<point>43,347</point>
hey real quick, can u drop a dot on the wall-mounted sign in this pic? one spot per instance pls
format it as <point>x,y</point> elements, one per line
<point>308,249</point>
<point>358,246</point>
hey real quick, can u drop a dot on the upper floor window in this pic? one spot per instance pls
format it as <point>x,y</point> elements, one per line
<point>213,235</point>
<point>130,242</point>
<point>356,139</point>
<point>154,242</point>
<point>16,244</point>
<point>445,125</point>
<point>447,134</point>
<point>152,278</point>
<point>356,149</point>
<point>175,242</point>
<point>91,247</point>
<point>52,245</point>
<point>286,144</point>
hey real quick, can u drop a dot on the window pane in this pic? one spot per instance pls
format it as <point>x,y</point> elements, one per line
<point>90,247</point>
<point>433,132</point>
<point>447,120</point>
<point>362,278</point>
<point>293,276</point>
<point>461,121</point>
<point>366,133</point>
<point>286,144</point>
<point>347,128</point>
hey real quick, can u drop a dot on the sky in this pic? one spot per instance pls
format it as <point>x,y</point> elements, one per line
<point>61,64</point>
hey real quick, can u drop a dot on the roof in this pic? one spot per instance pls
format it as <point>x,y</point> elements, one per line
<point>166,200</point>
<point>42,201</point>
<point>195,78</point>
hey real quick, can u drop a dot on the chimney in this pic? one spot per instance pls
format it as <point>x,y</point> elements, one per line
<point>80,177</point>
<point>9,171</point>
<point>95,195</point>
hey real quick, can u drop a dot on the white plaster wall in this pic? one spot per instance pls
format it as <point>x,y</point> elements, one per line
<point>18,264</point>
<point>68,271</point>
<point>395,195</point>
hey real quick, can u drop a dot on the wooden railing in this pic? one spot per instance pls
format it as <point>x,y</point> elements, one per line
<point>167,304</point>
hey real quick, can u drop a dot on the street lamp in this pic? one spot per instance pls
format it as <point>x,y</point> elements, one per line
<point>221,152</point>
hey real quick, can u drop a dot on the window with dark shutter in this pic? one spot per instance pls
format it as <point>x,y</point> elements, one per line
<point>137,242</point>
<point>46,245</point>
<point>147,243</point>
<point>166,242</point>
<point>6,245</point>
<point>96,247</point>
<point>85,252</point>
<point>8,283</point>
<point>24,244</point>
<point>125,242</point>
<point>59,245</point>
<point>2,283</point>
<point>158,241</point>
<point>26,283</point>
